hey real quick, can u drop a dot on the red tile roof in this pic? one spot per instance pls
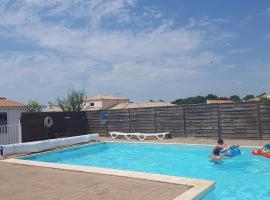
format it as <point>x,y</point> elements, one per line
<point>140,105</point>
<point>219,101</point>
<point>7,103</point>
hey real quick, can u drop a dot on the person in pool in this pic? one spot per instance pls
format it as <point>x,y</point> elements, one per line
<point>220,150</point>
<point>220,143</point>
<point>217,151</point>
<point>216,154</point>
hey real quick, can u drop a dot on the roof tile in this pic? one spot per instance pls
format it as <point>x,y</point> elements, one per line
<point>140,105</point>
<point>10,103</point>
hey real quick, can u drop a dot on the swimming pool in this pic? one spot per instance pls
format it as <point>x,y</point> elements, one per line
<point>243,177</point>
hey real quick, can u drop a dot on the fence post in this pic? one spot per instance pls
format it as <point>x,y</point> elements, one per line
<point>259,120</point>
<point>106,124</point>
<point>20,132</point>
<point>218,115</point>
<point>155,120</point>
<point>129,125</point>
<point>184,118</point>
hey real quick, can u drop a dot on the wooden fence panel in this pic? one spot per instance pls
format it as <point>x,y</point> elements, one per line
<point>265,119</point>
<point>202,121</point>
<point>241,121</point>
<point>118,120</point>
<point>65,124</point>
<point>170,119</point>
<point>142,120</point>
<point>95,122</point>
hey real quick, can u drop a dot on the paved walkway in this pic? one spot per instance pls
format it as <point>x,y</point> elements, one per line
<point>19,182</point>
<point>196,141</point>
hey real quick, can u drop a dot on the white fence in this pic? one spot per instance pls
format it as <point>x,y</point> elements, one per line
<point>10,134</point>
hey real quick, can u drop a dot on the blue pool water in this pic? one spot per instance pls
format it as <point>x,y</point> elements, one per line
<point>244,177</point>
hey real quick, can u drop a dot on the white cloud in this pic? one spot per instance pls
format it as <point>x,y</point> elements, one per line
<point>127,61</point>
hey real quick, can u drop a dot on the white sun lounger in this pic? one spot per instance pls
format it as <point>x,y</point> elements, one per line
<point>159,136</point>
<point>140,136</point>
<point>115,134</point>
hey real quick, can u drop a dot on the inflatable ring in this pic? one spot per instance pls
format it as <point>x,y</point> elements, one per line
<point>257,152</point>
<point>48,122</point>
<point>266,155</point>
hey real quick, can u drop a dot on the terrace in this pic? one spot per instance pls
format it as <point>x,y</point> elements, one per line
<point>31,183</point>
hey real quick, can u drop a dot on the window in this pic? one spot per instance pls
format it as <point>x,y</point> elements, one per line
<point>92,104</point>
<point>3,119</point>
<point>3,123</point>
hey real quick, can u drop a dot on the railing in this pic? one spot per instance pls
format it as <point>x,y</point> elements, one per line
<point>10,134</point>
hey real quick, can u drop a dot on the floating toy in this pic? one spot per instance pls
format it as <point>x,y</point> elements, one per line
<point>231,152</point>
<point>265,151</point>
<point>266,155</point>
<point>257,152</point>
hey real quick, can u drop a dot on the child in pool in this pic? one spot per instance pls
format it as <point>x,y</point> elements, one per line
<point>220,143</point>
<point>216,154</point>
<point>219,149</point>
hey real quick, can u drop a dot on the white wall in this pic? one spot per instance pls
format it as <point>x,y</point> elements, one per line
<point>13,115</point>
<point>13,134</point>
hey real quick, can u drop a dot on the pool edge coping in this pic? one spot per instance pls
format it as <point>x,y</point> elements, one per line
<point>173,143</point>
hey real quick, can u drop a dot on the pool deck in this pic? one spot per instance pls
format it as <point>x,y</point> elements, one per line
<point>200,141</point>
<point>23,182</point>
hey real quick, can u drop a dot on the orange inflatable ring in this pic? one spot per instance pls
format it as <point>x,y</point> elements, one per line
<point>258,152</point>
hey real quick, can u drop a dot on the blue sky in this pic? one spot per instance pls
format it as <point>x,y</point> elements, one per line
<point>140,49</point>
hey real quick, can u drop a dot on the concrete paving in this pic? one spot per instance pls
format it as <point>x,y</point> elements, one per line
<point>20,182</point>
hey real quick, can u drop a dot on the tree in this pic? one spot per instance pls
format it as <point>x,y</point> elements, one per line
<point>264,99</point>
<point>190,100</point>
<point>34,106</point>
<point>248,97</point>
<point>211,97</point>
<point>74,101</point>
<point>235,98</point>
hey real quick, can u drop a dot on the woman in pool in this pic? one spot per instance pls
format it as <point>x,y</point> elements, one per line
<point>216,154</point>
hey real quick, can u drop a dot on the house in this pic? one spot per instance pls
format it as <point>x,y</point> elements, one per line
<point>51,108</point>
<point>108,102</point>
<point>103,102</point>
<point>10,111</point>
<point>221,101</point>
<point>261,97</point>
<point>141,105</point>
